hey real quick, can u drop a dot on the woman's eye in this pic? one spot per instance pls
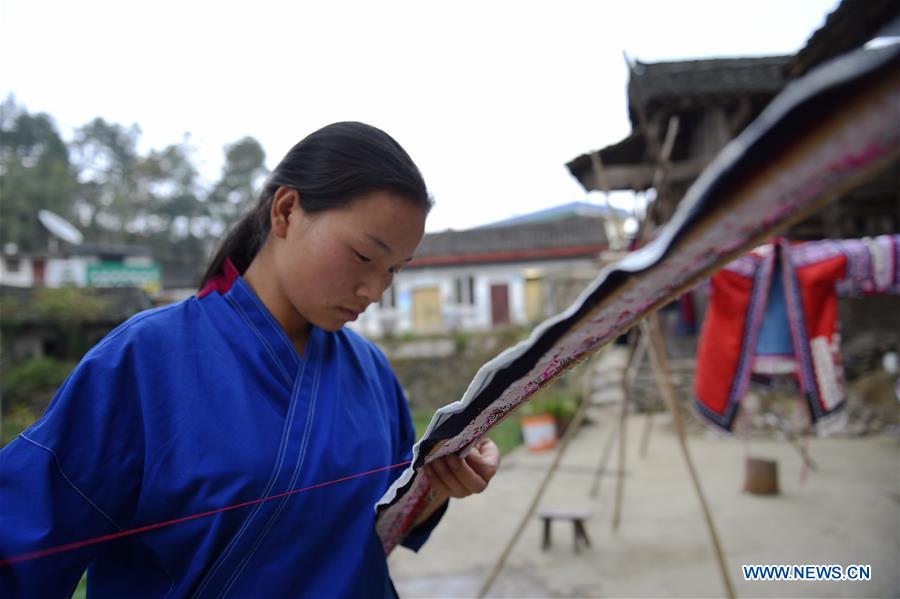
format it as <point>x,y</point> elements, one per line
<point>361,257</point>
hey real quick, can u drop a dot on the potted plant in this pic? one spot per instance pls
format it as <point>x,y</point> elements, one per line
<point>546,417</point>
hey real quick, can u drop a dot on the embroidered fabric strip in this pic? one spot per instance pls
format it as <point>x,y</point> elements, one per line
<point>720,217</point>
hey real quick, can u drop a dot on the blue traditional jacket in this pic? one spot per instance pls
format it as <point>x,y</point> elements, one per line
<point>191,408</point>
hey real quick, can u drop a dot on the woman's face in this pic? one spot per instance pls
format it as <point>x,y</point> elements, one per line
<point>331,265</point>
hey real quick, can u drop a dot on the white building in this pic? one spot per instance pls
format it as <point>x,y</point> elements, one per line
<point>516,272</point>
<point>84,265</point>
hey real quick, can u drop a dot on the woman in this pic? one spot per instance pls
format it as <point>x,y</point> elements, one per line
<point>249,390</point>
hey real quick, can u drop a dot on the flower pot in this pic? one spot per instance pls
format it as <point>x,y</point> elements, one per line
<point>539,432</point>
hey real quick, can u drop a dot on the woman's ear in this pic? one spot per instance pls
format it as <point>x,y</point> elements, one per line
<point>280,213</point>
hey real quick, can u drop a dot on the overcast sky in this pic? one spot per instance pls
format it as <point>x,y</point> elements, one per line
<point>491,99</point>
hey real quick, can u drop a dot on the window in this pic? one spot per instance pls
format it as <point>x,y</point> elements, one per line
<point>388,298</point>
<point>465,290</point>
<point>12,265</point>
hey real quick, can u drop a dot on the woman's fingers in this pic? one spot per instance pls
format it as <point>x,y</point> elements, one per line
<point>441,472</point>
<point>456,476</point>
<point>436,483</point>
<point>459,477</point>
<point>484,459</point>
<point>471,480</point>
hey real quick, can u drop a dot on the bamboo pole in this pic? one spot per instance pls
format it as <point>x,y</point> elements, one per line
<point>632,372</point>
<point>529,513</point>
<point>622,430</point>
<point>587,392</point>
<point>650,327</point>
<point>604,462</point>
<point>645,436</point>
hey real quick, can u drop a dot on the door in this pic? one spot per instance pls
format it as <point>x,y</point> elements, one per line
<point>534,300</point>
<point>499,304</point>
<point>40,268</point>
<point>427,309</point>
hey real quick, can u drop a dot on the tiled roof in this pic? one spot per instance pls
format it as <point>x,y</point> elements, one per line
<point>677,87</point>
<point>850,25</point>
<point>560,212</point>
<point>578,235</point>
<point>631,150</point>
<point>700,81</point>
<point>682,87</point>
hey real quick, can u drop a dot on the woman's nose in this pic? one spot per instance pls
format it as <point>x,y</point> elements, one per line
<point>365,292</point>
<point>371,288</point>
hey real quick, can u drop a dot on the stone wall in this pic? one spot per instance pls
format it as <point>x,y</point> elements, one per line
<point>435,371</point>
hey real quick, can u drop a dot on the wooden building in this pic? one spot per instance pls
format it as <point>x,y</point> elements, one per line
<point>683,113</point>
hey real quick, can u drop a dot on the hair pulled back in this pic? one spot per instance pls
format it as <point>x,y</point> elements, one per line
<point>330,168</point>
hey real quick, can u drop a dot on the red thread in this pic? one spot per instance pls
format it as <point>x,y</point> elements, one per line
<point>24,557</point>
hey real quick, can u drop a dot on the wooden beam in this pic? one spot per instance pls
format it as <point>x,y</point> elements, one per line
<point>638,177</point>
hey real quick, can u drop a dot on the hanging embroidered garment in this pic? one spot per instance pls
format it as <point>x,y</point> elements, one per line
<point>774,310</point>
<point>191,408</point>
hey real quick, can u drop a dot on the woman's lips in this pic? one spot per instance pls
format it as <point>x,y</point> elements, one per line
<point>349,314</point>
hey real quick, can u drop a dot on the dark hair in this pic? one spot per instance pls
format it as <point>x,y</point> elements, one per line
<point>330,168</point>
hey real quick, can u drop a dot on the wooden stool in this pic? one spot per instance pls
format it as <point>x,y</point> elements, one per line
<point>577,517</point>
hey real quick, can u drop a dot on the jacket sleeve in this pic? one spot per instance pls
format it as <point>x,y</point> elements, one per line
<point>872,265</point>
<point>71,477</point>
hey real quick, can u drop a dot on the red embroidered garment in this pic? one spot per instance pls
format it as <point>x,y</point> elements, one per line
<point>813,275</point>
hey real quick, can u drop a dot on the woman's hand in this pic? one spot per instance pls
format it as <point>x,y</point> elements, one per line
<point>452,476</point>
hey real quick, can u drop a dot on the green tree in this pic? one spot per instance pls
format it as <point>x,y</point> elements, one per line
<point>114,193</point>
<point>242,176</point>
<point>168,185</point>
<point>108,200</point>
<point>35,174</point>
<point>176,221</point>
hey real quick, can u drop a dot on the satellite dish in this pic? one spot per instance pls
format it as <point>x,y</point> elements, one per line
<point>60,227</point>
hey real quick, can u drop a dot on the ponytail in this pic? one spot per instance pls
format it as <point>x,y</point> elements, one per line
<point>243,241</point>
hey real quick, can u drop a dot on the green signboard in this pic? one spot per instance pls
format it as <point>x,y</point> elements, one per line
<point>116,274</point>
